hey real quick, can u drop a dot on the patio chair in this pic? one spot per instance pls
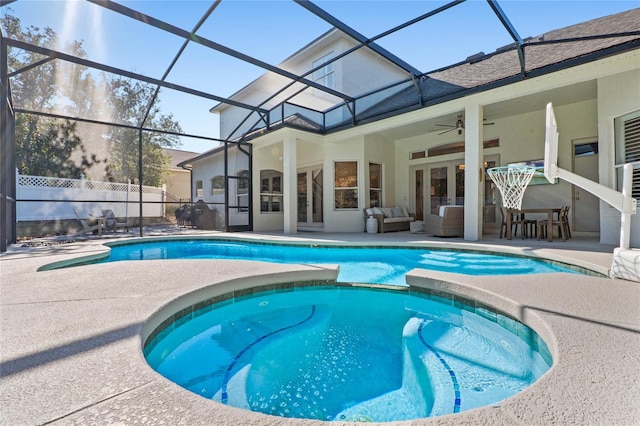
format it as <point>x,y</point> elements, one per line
<point>562,223</point>
<point>96,228</point>
<point>448,223</point>
<point>111,222</point>
<point>516,220</point>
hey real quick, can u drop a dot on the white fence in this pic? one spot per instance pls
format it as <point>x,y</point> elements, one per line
<point>85,196</point>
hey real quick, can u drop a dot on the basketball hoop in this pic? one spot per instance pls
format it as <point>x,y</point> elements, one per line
<point>512,181</point>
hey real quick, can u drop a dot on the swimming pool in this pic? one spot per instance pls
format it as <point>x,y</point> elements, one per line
<point>348,353</point>
<point>374,265</point>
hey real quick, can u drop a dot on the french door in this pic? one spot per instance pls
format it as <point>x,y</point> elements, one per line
<point>441,184</point>
<point>445,185</point>
<point>310,200</point>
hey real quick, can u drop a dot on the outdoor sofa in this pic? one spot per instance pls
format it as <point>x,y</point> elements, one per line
<point>389,218</point>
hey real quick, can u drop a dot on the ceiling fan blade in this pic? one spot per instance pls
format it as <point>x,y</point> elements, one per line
<point>447,131</point>
<point>444,125</point>
<point>488,124</point>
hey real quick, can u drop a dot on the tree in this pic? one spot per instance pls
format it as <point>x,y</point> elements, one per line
<point>46,146</point>
<point>130,102</point>
<point>50,148</point>
<point>53,147</point>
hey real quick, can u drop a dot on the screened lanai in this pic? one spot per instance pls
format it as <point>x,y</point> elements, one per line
<point>96,93</point>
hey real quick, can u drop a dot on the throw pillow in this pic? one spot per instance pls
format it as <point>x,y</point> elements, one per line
<point>397,212</point>
<point>378,210</point>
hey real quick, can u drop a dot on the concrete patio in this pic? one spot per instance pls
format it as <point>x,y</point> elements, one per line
<point>71,338</point>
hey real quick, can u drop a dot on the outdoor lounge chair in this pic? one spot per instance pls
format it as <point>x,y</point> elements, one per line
<point>449,222</point>
<point>96,228</point>
<point>111,223</point>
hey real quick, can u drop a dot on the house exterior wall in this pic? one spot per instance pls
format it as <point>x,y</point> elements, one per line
<point>207,168</point>
<point>344,220</point>
<point>521,136</point>
<point>179,184</point>
<point>355,74</point>
<point>267,157</point>
<point>232,116</point>
<point>380,151</point>
<point>617,95</point>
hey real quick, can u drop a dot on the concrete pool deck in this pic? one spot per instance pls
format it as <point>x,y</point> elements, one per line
<point>70,339</point>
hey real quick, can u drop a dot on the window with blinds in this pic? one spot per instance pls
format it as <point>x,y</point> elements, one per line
<point>628,149</point>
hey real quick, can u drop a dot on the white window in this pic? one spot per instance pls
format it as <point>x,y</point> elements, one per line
<point>324,75</point>
<point>270,191</point>
<point>199,189</point>
<point>242,191</point>
<point>346,185</point>
<point>628,149</point>
<point>217,185</point>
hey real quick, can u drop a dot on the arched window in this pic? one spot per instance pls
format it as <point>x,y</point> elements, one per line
<point>217,185</point>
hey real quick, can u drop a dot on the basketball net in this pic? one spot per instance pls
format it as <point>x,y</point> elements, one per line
<point>512,181</point>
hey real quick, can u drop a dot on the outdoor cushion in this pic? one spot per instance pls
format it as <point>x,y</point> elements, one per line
<point>445,207</point>
<point>387,211</point>
<point>397,212</point>
<point>397,219</point>
<point>378,210</point>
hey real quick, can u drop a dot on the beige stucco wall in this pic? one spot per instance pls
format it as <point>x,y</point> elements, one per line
<point>343,220</point>
<point>521,138</point>
<point>268,157</point>
<point>381,151</point>
<point>212,166</point>
<point>179,184</point>
<point>357,73</point>
<point>617,95</point>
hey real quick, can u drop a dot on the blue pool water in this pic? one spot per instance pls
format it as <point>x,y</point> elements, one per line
<point>348,354</point>
<point>362,265</point>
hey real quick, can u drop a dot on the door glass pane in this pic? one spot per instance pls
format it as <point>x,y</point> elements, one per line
<point>375,185</point>
<point>438,188</point>
<point>459,185</point>
<point>317,196</point>
<point>489,194</point>
<point>302,197</point>
<point>419,195</point>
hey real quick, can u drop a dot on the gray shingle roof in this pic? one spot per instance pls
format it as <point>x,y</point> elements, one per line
<point>178,156</point>
<point>540,52</point>
<point>506,64</point>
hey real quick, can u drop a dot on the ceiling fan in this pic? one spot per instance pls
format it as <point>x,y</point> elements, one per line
<point>459,126</point>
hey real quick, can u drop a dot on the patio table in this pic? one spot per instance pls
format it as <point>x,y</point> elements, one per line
<point>548,210</point>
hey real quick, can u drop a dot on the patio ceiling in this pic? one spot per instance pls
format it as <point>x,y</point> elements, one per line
<point>566,95</point>
<point>202,52</point>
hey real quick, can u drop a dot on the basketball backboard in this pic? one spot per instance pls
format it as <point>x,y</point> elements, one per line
<point>551,146</point>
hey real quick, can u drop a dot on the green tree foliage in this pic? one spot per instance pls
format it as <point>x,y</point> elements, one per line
<point>50,148</point>
<point>130,100</point>
<point>55,147</point>
<point>47,146</point>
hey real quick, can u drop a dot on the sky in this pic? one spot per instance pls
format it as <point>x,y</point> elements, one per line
<point>272,30</point>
